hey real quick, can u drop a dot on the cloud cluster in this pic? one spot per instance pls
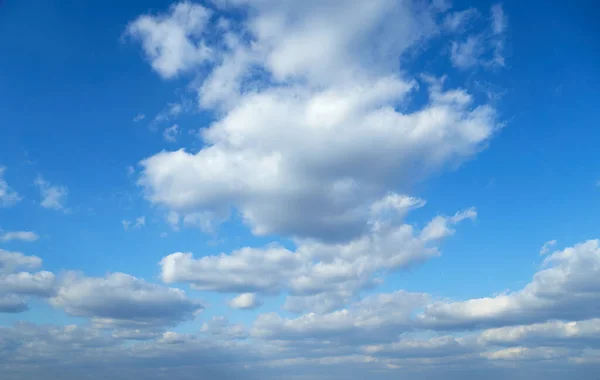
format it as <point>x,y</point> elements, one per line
<point>16,284</point>
<point>318,276</point>
<point>331,133</point>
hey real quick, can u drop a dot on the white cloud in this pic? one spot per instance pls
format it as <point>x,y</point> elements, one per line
<point>565,288</point>
<point>121,300</point>
<point>53,197</point>
<point>18,235</point>
<point>245,301</point>
<point>40,284</point>
<point>289,180</point>
<point>287,133</point>
<point>318,276</point>
<point>8,197</point>
<point>170,134</point>
<point>173,41</point>
<point>377,318</point>
<point>16,285</point>
<point>14,261</point>
<point>553,333</point>
<point>139,117</point>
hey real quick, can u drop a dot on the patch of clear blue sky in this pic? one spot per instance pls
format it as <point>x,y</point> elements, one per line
<point>70,87</point>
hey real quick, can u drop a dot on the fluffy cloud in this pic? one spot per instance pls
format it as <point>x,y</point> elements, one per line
<point>13,261</point>
<point>319,276</point>
<point>18,235</point>
<point>39,284</point>
<point>16,285</point>
<point>332,134</point>
<point>245,301</point>
<point>8,197</point>
<point>566,287</point>
<point>173,41</point>
<point>53,197</point>
<point>119,299</point>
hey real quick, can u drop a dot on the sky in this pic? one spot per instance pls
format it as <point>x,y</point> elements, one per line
<point>262,189</point>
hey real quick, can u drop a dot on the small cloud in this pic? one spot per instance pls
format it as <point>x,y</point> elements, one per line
<point>245,301</point>
<point>164,235</point>
<point>130,170</point>
<point>139,223</point>
<point>139,117</point>
<point>8,197</point>
<point>53,197</point>
<point>18,235</point>
<point>547,246</point>
<point>170,134</point>
<point>173,220</point>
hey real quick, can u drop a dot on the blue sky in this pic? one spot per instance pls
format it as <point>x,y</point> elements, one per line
<point>257,179</point>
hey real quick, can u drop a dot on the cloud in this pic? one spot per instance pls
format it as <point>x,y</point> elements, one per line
<point>39,284</point>
<point>318,276</point>
<point>53,197</point>
<point>170,134</point>
<point>485,48</point>
<point>13,261</point>
<point>578,334</point>
<point>18,235</point>
<point>547,247</point>
<point>245,301</point>
<point>284,125</point>
<point>220,328</point>
<point>137,224</point>
<point>8,197</point>
<point>139,117</point>
<point>16,285</point>
<point>173,41</point>
<point>457,21</point>
<point>12,304</point>
<point>377,318</point>
<point>121,300</point>
<point>565,288</point>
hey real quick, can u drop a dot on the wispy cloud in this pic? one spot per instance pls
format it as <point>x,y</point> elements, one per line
<point>28,236</point>
<point>138,223</point>
<point>170,134</point>
<point>53,196</point>
<point>8,196</point>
